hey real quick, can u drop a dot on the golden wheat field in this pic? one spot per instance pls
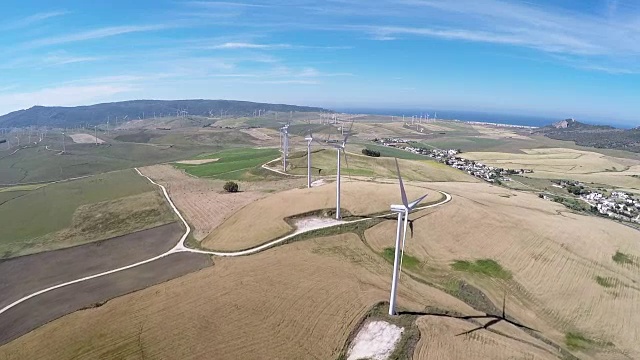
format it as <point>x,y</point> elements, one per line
<point>509,344</point>
<point>297,301</point>
<point>201,201</point>
<point>564,276</point>
<point>263,220</point>
<point>496,132</point>
<point>561,163</point>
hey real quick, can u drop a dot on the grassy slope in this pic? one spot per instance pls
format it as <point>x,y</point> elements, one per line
<point>38,213</point>
<point>231,164</point>
<point>361,165</point>
<point>40,165</point>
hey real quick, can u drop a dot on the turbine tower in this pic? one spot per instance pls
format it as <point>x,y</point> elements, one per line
<point>284,144</point>
<point>403,217</point>
<point>340,148</point>
<point>309,139</point>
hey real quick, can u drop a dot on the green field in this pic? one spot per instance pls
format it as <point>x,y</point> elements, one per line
<point>232,164</point>
<point>30,219</point>
<point>37,164</point>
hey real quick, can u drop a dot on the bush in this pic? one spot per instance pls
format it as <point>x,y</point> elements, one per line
<point>372,153</point>
<point>231,186</point>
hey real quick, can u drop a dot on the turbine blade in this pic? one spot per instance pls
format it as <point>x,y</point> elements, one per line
<point>470,331</point>
<point>346,162</point>
<point>414,203</point>
<point>404,237</point>
<point>504,303</point>
<point>402,192</point>
<point>348,133</point>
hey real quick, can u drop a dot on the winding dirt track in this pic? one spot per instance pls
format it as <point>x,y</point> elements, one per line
<point>180,247</point>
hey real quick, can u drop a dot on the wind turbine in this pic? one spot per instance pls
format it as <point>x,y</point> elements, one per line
<point>284,144</point>
<point>340,148</point>
<point>63,147</point>
<point>309,139</point>
<point>403,217</point>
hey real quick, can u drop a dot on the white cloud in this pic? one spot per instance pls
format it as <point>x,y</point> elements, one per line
<point>31,19</point>
<point>244,45</point>
<point>94,34</point>
<point>70,95</point>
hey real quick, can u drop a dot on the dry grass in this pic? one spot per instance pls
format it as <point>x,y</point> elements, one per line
<point>553,256</point>
<point>560,163</point>
<point>85,139</point>
<point>196,162</point>
<point>298,301</point>
<point>495,132</point>
<point>202,201</point>
<point>375,168</point>
<point>436,342</point>
<point>263,220</point>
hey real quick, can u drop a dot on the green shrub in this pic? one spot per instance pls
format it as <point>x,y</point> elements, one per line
<point>230,186</point>
<point>372,153</point>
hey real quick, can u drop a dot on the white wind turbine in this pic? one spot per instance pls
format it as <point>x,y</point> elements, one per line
<point>284,145</point>
<point>309,139</point>
<point>340,148</point>
<point>403,217</point>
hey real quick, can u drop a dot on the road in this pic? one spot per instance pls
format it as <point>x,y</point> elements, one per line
<point>180,246</point>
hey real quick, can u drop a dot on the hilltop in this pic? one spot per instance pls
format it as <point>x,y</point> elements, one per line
<point>598,136</point>
<point>57,116</point>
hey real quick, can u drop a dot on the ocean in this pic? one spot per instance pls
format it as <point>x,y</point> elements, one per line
<point>510,119</point>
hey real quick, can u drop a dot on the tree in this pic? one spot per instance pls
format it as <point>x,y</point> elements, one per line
<point>372,153</point>
<point>230,186</point>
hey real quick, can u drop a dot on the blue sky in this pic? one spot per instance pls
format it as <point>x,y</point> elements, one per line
<point>551,58</point>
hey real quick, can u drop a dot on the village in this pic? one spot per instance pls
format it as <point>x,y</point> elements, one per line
<point>618,204</point>
<point>487,173</point>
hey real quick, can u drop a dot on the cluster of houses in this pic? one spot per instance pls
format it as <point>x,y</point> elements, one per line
<point>618,205</point>
<point>487,173</point>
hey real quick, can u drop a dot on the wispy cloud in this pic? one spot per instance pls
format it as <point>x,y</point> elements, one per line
<point>244,45</point>
<point>55,60</point>
<point>217,4</point>
<point>94,34</point>
<point>30,20</point>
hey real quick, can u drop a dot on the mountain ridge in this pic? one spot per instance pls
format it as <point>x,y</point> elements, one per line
<point>62,116</point>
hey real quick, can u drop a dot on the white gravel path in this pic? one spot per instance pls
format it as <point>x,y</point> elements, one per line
<point>376,340</point>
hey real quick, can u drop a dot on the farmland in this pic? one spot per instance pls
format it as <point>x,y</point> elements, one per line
<point>232,164</point>
<point>560,163</point>
<point>78,211</point>
<point>264,220</point>
<point>337,280</point>
<point>307,296</point>
<point>324,163</point>
<point>552,256</point>
<point>202,201</point>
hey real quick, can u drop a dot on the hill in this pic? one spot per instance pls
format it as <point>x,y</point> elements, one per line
<point>57,116</point>
<point>598,136</point>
